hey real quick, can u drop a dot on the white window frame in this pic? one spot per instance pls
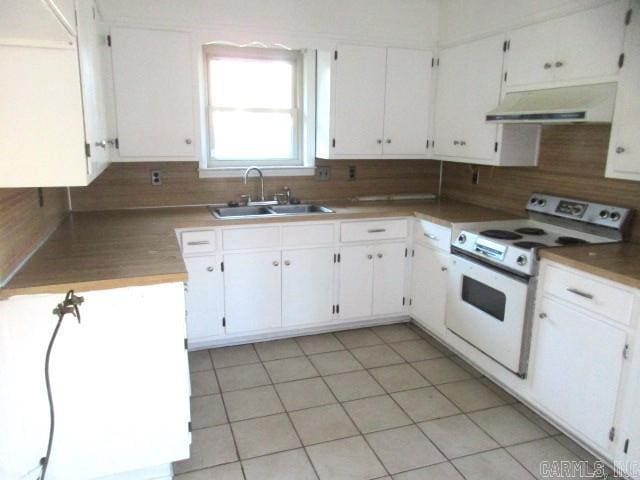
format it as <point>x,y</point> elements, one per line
<point>304,105</point>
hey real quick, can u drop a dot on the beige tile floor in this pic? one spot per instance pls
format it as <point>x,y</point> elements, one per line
<point>385,402</point>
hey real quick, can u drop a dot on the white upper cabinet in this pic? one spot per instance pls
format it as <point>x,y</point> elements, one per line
<point>154,92</point>
<point>624,146</point>
<point>37,22</point>
<point>468,86</point>
<point>52,108</point>
<point>373,103</point>
<point>578,48</point>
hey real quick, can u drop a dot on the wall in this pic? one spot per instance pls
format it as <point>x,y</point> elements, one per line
<point>127,185</point>
<point>24,224</point>
<point>572,162</point>
<point>462,20</point>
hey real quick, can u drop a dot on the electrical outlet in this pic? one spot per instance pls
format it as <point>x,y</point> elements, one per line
<point>352,172</point>
<point>323,173</point>
<point>156,178</point>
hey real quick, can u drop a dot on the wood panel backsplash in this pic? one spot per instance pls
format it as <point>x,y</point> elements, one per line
<point>572,163</point>
<point>128,185</point>
<point>24,223</point>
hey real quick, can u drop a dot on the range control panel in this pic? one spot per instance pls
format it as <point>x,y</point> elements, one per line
<point>588,212</point>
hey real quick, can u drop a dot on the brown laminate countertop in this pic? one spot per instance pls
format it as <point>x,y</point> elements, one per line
<point>619,262</point>
<point>121,248</point>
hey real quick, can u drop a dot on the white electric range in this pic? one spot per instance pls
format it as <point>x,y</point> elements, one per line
<point>494,266</point>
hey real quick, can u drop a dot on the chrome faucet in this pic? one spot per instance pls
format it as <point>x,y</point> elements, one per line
<point>246,175</point>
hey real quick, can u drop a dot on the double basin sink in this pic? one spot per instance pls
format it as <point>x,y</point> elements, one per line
<point>267,211</point>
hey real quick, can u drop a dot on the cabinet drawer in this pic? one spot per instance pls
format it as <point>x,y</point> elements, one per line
<point>432,234</point>
<point>258,237</point>
<point>300,235</point>
<point>589,293</point>
<point>373,230</point>
<point>198,241</point>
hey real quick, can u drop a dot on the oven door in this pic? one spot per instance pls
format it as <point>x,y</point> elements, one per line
<point>489,308</point>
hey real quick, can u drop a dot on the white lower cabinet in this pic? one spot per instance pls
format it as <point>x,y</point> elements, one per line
<point>429,287</point>
<point>307,286</point>
<point>576,367</point>
<point>371,280</point>
<point>252,288</point>
<point>204,298</point>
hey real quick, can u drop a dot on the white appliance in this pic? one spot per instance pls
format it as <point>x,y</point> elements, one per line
<point>494,266</point>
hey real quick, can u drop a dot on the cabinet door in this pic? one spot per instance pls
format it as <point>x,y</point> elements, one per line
<point>483,78</point>
<point>407,101</point>
<point>153,91</point>
<point>450,98</point>
<point>359,100</point>
<point>589,43</point>
<point>531,54</point>
<point>204,297</point>
<point>356,281</point>
<point>624,147</point>
<point>429,287</point>
<point>252,291</point>
<point>91,45</point>
<point>307,286</point>
<point>575,369</point>
<point>388,278</point>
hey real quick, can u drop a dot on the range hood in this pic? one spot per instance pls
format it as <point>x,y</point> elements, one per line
<point>579,104</point>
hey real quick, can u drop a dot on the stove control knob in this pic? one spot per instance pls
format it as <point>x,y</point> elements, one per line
<point>542,202</point>
<point>521,260</point>
<point>533,200</point>
<point>604,213</point>
<point>577,209</point>
<point>615,216</point>
<point>462,238</point>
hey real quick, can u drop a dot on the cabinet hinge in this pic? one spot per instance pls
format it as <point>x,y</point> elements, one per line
<point>186,344</point>
<point>189,427</point>
<point>627,17</point>
<point>433,62</point>
<point>335,258</point>
<point>116,143</point>
<point>333,309</point>
<point>410,301</point>
<point>612,434</point>
<point>339,258</point>
<point>505,76</point>
<point>87,150</point>
<point>504,46</point>
<point>335,54</point>
<point>438,62</point>
<point>108,40</point>
<point>626,446</point>
<point>338,308</point>
<point>222,266</point>
<point>413,253</point>
<point>621,60</point>
<point>333,142</point>
<point>404,300</point>
<point>406,252</point>
<point>224,321</point>
<point>495,147</point>
<point>625,352</point>
<point>427,144</point>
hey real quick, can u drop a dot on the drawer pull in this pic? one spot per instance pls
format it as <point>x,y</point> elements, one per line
<point>377,230</point>
<point>199,242</point>
<point>430,237</point>
<point>579,293</point>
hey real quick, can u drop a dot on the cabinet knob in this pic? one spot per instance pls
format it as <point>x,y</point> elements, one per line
<point>380,255</point>
<point>209,269</point>
<point>547,65</point>
<point>187,141</point>
<point>379,141</point>
<point>388,140</point>
<point>369,256</point>
<point>287,263</point>
<point>443,269</point>
<point>102,144</point>
<point>542,315</point>
<point>276,263</point>
<point>456,142</point>
<point>559,64</point>
<point>620,150</point>
<point>463,143</point>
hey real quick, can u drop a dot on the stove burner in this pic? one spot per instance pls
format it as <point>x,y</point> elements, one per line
<point>501,234</point>
<point>530,231</point>
<point>529,245</point>
<point>570,241</point>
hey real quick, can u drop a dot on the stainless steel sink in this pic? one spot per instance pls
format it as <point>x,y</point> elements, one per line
<point>267,211</point>
<point>300,209</point>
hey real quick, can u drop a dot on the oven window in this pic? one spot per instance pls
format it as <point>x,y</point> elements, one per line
<point>481,296</point>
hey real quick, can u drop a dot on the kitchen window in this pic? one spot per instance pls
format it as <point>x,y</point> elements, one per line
<point>255,100</point>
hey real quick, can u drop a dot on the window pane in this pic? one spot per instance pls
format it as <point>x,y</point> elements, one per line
<point>247,136</point>
<point>250,83</point>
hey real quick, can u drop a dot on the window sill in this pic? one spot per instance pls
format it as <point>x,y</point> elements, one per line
<point>234,172</point>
